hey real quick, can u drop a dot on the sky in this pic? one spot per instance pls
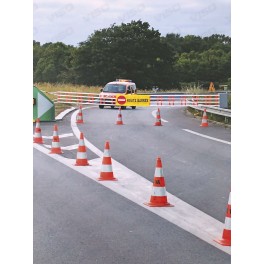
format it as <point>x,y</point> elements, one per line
<point>74,21</point>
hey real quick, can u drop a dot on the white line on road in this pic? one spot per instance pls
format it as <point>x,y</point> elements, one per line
<point>76,132</point>
<point>71,147</point>
<point>154,113</point>
<point>205,136</point>
<point>138,189</point>
<point>61,136</point>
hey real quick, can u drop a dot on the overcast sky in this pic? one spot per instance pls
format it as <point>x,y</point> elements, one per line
<point>73,21</point>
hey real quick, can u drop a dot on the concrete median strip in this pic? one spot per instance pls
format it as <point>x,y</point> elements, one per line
<point>138,190</point>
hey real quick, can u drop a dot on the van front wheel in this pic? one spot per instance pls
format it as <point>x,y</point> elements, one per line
<point>133,107</point>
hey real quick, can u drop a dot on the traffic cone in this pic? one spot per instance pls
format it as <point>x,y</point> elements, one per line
<point>106,173</point>
<point>204,119</point>
<point>119,117</point>
<point>81,159</point>
<point>37,135</point>
<point>158,119</point>
<point>226,236</point>
<point>55,145</point>
<point>79,117</point>
<point>158,197</point>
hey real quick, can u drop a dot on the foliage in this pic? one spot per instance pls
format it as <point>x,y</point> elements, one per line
<point>53,62</point>
<point>132,51</point>
<point>138,52</point>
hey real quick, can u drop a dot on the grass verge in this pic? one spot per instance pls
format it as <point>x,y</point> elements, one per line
<point>226,121</point>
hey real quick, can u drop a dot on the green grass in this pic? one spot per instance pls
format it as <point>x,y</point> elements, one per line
<point>213,117</point>
<point>51,87</point>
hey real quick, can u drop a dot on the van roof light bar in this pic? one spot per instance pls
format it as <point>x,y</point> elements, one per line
<point>123,80</point>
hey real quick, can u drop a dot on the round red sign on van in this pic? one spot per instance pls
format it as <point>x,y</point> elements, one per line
<point>121,99</point>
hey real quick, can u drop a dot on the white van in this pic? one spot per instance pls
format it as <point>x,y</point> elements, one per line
<point>120,86</point>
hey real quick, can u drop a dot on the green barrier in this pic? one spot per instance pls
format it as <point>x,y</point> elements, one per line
<point>43,107</point>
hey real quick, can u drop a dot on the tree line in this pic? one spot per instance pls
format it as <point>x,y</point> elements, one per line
<point>138,52</point>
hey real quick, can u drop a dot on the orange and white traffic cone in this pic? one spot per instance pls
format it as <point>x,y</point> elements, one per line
<point>158,197</point>
<point>55,145</point>
<point>81,159</point>
<point>119,120</point>
<point>226,236</point>
<point>37,135</point>
<point>158,119</point>
<point>204,119</point>
<point>79,117</point>
<point>106,173</point>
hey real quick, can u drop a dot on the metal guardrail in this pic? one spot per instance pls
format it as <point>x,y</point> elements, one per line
<point>213,110</point>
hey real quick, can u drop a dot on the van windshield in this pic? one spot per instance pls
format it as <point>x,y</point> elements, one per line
<point>114,88</point>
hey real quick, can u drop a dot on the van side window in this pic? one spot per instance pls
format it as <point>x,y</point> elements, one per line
<point>133,89</point>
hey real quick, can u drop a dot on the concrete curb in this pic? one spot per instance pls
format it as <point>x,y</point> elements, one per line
<point>61,115</point>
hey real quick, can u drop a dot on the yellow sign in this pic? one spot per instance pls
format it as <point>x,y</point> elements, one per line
<point>132,100</point>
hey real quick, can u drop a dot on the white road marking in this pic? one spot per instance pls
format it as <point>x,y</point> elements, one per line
<point>138,189</point>
<point>61,136</point>
<point>76,132</point>
<point>154,113</point>
<point>71,147</point>
<point>205,136</point>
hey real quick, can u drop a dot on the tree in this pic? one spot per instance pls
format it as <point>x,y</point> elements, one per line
<point>37,53</point>
<point>211,65</point>
<point>132,50</point>
<point>54,64</point>
<point>138,52</point>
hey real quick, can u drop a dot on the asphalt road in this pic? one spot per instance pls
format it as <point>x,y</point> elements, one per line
<point>79,221</point>
<point>197,170</point>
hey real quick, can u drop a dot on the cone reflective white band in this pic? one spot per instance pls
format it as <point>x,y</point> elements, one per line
<point>37,134</point>
<point>106,168</point>
<point>55,144</point>
<point>81,142</point>
<point>81,155</point>
<point>158,191</point>
<point>228,223</point>
<point>158,172</point>
<point>107,153</point>
<point>55,133</point>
